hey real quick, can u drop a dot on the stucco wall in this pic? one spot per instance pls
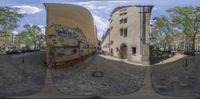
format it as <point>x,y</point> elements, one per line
<point>70,31</point>
<point>134,36</point>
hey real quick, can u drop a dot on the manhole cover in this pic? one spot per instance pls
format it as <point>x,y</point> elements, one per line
<point>97,74</point>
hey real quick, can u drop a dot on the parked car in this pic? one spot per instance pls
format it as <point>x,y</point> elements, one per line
<point>13,51</point>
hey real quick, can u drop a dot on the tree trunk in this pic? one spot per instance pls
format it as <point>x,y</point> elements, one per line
<point>193,46</point>
<point>35,45</point>
<point>165,45</point>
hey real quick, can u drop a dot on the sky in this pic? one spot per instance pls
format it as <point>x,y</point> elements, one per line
<point>34,10</point>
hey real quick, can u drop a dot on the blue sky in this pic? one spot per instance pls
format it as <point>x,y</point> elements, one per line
<point>34,11</point>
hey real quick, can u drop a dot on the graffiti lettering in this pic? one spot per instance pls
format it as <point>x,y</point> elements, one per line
<point>68,33</point>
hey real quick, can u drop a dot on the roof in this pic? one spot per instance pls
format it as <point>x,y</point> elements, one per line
<point>121,7</point>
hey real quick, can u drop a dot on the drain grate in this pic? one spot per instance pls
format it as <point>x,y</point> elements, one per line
<point>97,74</point>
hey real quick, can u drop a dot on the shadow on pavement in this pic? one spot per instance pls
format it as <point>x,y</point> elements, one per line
<point>177,78</point>
<point>118,78</point>
<point>22,76</point>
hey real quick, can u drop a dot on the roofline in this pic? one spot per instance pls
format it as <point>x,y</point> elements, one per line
<point>121,7</point>
<point>45,4</point>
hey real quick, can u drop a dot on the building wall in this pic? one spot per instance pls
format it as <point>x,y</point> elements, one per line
<point>106,44</point>
<point>137,34</point>
<point>70,33</point>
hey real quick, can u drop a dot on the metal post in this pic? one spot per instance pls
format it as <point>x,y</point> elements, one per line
<point>23,59</point>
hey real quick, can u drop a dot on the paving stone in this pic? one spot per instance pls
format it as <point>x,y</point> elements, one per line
<point>18,79</point>
<point>118,78</point>
<point>176,77</point>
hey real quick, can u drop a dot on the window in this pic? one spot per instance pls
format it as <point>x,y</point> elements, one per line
<point>121,31</point>
<point>111,42</point>
<point>111,27</point>
<point>117,49</point>
<point>125,20</point>
<point>125,32</point>
<point>122,13</point>
<point>121,21</point>
<point>133,50</point>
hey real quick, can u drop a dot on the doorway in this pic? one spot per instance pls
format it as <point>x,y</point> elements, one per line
<point>123,51</point>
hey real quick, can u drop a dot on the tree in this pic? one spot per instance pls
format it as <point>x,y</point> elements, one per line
<point>9,18</point>
<point>187,19</point>
<point>41,41</point>
<point>162,33</point>
<point>32,36</point>
<point>23,38</point>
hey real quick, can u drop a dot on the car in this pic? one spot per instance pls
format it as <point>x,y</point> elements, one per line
<point>13,51</point>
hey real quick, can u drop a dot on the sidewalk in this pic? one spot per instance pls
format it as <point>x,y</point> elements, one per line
<point>118,59</point>
<point>171,59</point>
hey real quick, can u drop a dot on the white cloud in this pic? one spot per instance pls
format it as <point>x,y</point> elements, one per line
<point>99,10</point>
<point>102,25</point>
<point>154,9</point>
<point>91,5</point>
<point>15,32</point>
<point>43,28</point>
<point>27,9</point>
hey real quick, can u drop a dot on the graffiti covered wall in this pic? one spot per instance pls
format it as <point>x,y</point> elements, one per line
<point>69,39</point>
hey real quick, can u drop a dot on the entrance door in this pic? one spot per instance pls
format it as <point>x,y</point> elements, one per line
<point>123,51</point>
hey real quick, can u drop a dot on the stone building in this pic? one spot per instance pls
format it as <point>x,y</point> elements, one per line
<point>128,34</point>
<point>70,34</point>
<point>185,44</point>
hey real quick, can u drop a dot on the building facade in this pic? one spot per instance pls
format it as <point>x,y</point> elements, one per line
<point>128,34</point>
<point>70,34</point>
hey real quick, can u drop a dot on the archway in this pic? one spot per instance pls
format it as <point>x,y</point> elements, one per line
<point>123,51</point>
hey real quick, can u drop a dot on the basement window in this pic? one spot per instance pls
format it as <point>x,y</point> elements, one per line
<point>133,50</point>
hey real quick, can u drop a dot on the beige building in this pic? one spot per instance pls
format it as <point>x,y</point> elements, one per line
<point>128,34</point>
<point>70,33</point>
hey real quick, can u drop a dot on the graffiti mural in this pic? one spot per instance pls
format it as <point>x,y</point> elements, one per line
<point>67,43</point>
<point>68,33</point>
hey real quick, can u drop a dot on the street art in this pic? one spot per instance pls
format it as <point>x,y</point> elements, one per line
<point>68,33</point>
<point>67,43</point>
<point>71,37</point>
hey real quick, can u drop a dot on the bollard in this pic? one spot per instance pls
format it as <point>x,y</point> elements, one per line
<point>186,63</point>
<point>23,59</point>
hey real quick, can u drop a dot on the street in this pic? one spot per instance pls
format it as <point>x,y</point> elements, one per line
<point>118,78</point>
<point>177,78</point>
<point>21,77</point>
<point>114,78</point>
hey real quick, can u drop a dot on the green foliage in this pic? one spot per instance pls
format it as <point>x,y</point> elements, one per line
<point>183,22</point>
<point>187,19</point>
<point>9,18</point>
<point>162,34</point>
<point>32,36</point>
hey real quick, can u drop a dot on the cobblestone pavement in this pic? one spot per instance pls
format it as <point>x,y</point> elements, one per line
<point>119,78</point>
<point>178,78</point>
<point>18,78</point>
